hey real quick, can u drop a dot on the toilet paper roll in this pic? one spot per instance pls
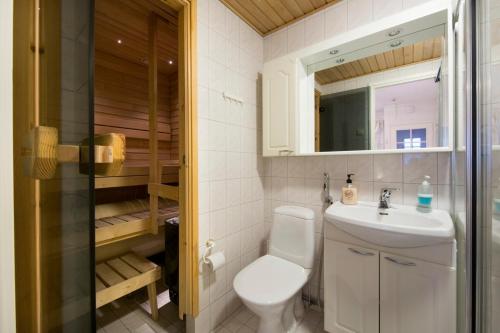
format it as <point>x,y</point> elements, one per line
<point>216,260</point>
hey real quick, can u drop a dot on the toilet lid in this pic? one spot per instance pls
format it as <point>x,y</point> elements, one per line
<point>269,280</point>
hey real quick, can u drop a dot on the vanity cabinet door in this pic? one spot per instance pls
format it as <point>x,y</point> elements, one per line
<point>416,296</point>
<point>351,288</point>
<point>279,104</point>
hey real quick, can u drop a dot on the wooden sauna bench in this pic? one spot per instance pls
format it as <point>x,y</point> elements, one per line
<point>120,276</point>
<point>139,175</point>
<point>118,221</point>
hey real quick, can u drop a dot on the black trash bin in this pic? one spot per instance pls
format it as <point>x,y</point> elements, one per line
<point>172,258</point>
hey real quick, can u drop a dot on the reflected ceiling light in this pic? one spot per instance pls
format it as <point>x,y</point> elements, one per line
<point>334,52</point>
<point>170,62</point>
<point>393,33</point>
<point>119,41</point>
<point>396,43</point>
<point>340,60</point>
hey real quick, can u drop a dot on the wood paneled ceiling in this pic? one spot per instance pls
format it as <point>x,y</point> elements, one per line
<point>411,54</point>
<point>267,16</point>
<point>121,30</point>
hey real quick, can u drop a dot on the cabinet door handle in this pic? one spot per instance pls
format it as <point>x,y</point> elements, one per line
<point>362,253</point>
<point>400,262</point>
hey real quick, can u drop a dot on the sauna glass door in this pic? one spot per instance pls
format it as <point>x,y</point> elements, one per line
<point>54,166</point>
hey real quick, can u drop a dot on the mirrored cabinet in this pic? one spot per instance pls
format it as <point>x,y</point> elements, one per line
<point>378,88</point>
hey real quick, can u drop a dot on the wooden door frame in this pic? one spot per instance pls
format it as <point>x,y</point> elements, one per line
<point>188,155</point>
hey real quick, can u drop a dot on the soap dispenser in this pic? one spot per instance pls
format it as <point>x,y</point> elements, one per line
<point>425,194</point>
<point>349,192</point>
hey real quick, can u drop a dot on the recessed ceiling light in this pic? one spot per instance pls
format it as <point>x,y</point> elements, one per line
<point>333,52</point>
<point>396,43</point>
<point>340,60</point>
<point>170,62</point>
<point>119,41</point>
<point>393,33</point>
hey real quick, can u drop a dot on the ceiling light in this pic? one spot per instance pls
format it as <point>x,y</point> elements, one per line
<point>333,52</point>
<point>119,41</point>
<point>340,60</point>
<point>170,62</point>
<point>396,43</point>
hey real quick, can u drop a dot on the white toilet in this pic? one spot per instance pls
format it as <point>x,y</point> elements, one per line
<point>271,286</point>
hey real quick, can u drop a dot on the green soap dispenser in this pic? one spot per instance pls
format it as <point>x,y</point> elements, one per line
<point>424,194</point>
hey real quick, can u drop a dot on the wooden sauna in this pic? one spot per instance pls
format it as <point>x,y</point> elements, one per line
<point>136,95</point>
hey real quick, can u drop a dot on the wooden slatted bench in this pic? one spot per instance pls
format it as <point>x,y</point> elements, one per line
<point>118,277</point>
<point>124,220</point>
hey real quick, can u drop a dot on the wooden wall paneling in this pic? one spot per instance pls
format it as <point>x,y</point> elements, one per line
<point>153,111</point>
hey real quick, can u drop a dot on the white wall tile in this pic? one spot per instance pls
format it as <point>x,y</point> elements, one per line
<point>418,165</point>
<point>296,167</point>
<point>336,166</point>
<point>336,19</point>
<point>296,36</point>
<point>314,28</point>
<point>411,3</point>
<point>359,12</point>
<point>233,219</point>
<point>295,190</point>
<point>217,17</point>
<point>361,166</point>
<point>217,195</point>
<point>218,224</point>
<point>279,166</point>
<point>382,8</point>
<point>388,167</point>
<point>217,164</point>
<point>278,44</point>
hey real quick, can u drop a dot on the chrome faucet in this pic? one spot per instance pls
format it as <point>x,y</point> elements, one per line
<point>326,189</point>
<point>384,200</point>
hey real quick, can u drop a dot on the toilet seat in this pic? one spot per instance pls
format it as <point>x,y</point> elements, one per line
<point>270,280</point>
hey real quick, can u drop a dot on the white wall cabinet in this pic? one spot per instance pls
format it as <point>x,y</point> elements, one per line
<point>367,291</point>
<point>416,296</point>
<point>279,94</point>
<point>351,288</point>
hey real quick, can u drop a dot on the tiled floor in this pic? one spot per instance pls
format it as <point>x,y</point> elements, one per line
<point>127,314</point>
<point>244,321</point>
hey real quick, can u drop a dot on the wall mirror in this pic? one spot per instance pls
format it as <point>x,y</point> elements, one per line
<point>384,87</point>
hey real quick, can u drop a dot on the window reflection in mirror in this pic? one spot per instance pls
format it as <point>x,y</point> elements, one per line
<point>389,100</point>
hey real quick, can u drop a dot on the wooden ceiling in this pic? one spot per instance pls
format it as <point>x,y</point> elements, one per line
<point>121,30</point>
<point>418,52</point>
<point>267,16</point>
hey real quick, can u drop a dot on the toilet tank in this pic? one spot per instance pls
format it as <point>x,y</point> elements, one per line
<point>292,235</point>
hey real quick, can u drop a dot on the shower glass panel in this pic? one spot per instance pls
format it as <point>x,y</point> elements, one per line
<point>488,59</point>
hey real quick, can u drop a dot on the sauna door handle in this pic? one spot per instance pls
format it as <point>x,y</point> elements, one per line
<point>42,153</point>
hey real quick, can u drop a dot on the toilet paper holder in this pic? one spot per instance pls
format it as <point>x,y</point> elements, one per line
<point>209,245</point>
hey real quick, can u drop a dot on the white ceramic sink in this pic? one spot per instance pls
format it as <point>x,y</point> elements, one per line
<point>403,226</point>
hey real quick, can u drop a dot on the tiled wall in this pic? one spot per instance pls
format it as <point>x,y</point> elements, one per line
<point>239,188</point>
<point>230,163</point>
<point>299,181</point>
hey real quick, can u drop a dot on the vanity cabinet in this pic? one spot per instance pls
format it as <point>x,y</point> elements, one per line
<point>415,296</point>
<point>351,288</point>
<point>367,290</point>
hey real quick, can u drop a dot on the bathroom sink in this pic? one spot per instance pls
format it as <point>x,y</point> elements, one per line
<point>398,226</point>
